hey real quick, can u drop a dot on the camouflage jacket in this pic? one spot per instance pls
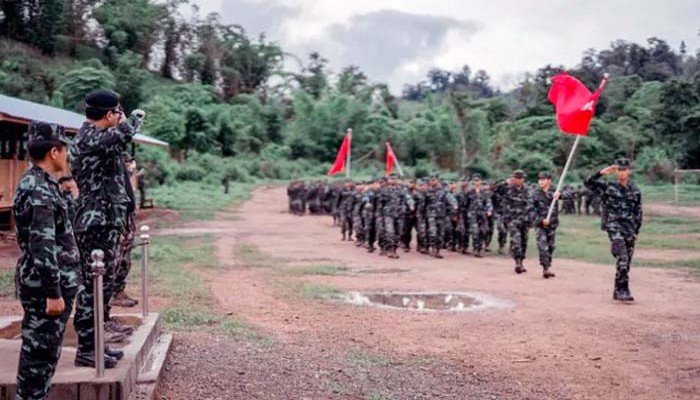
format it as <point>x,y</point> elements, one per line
<point>50,261</point>
<point>70,203</point>
<point>99,170</point>
<point>539,207</point>
<point>622,211</point>
<point>439,202</point>
<point>479,202</point>
<point>347,200</point>
<point>498,194</point>
<point>396,202</point>
<point>420,198</point>
<point>515,203</point>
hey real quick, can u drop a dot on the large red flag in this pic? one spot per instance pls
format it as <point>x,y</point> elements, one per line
<point>574,103</point>
<point>390,159</point>
<point>339,164</point>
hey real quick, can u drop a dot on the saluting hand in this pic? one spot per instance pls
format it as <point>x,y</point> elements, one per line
<point>609,170</point>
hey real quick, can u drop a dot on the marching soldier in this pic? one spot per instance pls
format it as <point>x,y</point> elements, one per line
<point>346,202</point>
<point>498,200</point>
<point>480,208</point>
<point>357,216</point>
<point>545,229</point>
<point>421,200</point>
<point>439,203</point>
<point>517,217</point>
<point>369,200</point>
<point>48,272</point>
<point>622,219</point>
<point>463,223</point>
<point>410,219</point>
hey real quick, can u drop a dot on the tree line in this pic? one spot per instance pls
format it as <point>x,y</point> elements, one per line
<point>211,88</point>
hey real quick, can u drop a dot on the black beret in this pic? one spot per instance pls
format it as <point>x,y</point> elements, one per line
<point>44,131</point>
<point>622,162</point>
<point>102,100</point>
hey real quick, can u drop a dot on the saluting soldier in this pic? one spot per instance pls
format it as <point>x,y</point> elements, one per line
<point>622,219</point>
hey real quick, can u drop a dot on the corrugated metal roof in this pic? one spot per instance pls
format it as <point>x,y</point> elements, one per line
<point>26,111</point>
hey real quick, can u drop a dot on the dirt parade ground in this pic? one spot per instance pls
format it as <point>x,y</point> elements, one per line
<point>507,337</point>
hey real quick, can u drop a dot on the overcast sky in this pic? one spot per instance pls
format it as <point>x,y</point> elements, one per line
<point>398,41</point>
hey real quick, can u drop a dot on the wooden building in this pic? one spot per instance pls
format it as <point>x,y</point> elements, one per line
<point>15,117</point>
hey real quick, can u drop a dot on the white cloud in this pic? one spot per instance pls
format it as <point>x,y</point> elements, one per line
<point>504,37</point>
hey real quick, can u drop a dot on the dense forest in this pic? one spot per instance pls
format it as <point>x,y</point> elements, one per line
<point>227,105</point>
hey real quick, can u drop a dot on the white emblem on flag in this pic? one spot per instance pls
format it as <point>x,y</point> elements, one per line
<point>588,106</point>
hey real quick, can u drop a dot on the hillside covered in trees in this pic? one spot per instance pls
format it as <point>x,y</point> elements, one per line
<point>226,103</point>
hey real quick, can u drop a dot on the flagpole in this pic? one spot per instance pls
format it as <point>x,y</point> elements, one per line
<point>349,159</point>
<point>568,160</point>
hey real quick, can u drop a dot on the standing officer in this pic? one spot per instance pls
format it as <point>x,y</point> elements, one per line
<point>517,217</point>
<point>48,271</point>
<point>102,206</point>
<point>545,229</point>
<point>480,208</point>
<point>622,219</point>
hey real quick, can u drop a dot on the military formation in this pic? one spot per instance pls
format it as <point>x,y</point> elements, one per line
<point>466,216</point>
<point>75,198</point>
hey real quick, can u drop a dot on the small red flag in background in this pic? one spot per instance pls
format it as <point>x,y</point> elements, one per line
<point>339,164</point>
<point>574,103</point>
<point>390,159</point>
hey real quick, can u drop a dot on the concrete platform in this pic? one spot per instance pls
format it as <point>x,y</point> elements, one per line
<point>136,373</point>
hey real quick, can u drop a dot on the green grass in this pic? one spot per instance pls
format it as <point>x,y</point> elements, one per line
<point>361,358</point>
<point>315,291</point>
<point>321,269</point>
<point>580,238</point>
<point>200,201</point>
<point>688,195</point>
<point>7,283</point>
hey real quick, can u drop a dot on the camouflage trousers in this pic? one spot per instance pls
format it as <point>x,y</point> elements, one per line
<point>406,235</point>
<point>346,224</point>
<point>370,231</point>
<point>126,246</point>
<point>357,225</point>
<point>297,207</point>
<point>421,233</point>
<point>477,230</point>
<point>393,227</point>
<point>436,231</point>
<point>107,240</point>
<point>42,338</point>
<point>622,248</point>
<point>488,235</point>
<point>502,230</point>
<point>545,245</point>
<point>463,232</point>
<point>518,232</point>
<point>381,230</point>
<point>451,238</point>
<point>315,206</point>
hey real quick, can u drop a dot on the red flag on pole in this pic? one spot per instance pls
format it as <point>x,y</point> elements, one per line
<point>574,103</point>
<point>390,159</point>
<point>339,164</point>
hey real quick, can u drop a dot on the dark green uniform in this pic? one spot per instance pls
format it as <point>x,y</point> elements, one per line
<point>49,267</point>
<point>102,211</point>
<point>546,235</point>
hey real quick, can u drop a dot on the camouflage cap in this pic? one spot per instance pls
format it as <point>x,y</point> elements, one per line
<point>623,163</point>
<point>544,175</point>
<point>43,131</point>
<point>476,177</point>
<point>518,173</point>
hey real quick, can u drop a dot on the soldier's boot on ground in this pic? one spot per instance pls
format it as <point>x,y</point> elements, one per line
<point>406,248</point>
<point>519,266</point>
<point>453,248</point>
<point>88,360</point>
<point>382,251</point>
<point>423,250</point>
<point>477,254</point>
<point>617,292</point>
<point>522,265</point>
<point>121,299</point>
<point>114,325</point>
<point>546,273</point>
<point>392,253</point>
<point>114,353</point>
<point>370,249</point>
<point>358,243</point>
<point>487,249</point>
<point>501,249</point>
<point>343,239</point>
<point>114,337</point>
<point>625,294</point>
<point>436,252</point>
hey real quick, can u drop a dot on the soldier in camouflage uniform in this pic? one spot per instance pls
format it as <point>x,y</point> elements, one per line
<point>480,208</point>
<point>369,201</point>
<point>517,217</point>
<point>102,207</point>
<point>568,196</point>
<point>421,199</point>
<point>346,201</point>
<point>498,190</point>
<point>451,224</point>
<point>395,203</point>
<point>439,203</point>
<point>545,229</point>
<point>410,219</point>
<point>463,216</point>
<point>578,195</point>
<point>357,216</point>
<point>490,218</point>
<point>126,243</point>
<point>48,271</point>
<point>379,225</point>
<point>622,219</point>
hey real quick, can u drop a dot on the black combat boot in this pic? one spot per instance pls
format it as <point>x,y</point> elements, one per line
<point>501,249</point>
<point>436,253</point>
<point>370,249</point>
<point>519,266</point>
<point>88,360</point>
<point>114,353</point>
<point>546,273</point>
<point>522,266</point>
<point>477,254</point>
<point>617,292</point>
<point>627,295</point>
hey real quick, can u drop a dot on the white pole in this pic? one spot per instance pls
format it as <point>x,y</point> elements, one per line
<point>563,175</point>
<point>349,159</point>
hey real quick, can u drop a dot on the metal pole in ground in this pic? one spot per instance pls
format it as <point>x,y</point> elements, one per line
<point>145,242</point>
<point>98,270</point>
